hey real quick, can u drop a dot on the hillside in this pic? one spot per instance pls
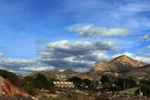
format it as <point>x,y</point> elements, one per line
<point>7,88</point>
<point>114,67</point>
<point>121,65</point>
<point>57,74</point>
<point>139,73</point>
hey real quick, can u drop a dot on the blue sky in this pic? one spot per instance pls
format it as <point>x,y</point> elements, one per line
<point>54,34</point>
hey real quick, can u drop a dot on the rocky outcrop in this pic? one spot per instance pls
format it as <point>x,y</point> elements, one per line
<point>7,88</point>
<point>127,61</point>
<point>119,64</point>
<point>115,67</point>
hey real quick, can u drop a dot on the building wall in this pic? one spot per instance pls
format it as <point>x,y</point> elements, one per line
<point>64,84</point>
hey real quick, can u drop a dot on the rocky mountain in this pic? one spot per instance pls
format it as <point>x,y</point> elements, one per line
<point>119,64</point>
<point>57,74</point>
<point>116,66</point>
<point>139,73</point>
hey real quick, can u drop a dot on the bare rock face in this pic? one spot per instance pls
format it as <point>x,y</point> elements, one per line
<point>7,88</point>
<point>119,64</point>
<point>125,60</point>
<point>104,66</point>
<point>115,67</point>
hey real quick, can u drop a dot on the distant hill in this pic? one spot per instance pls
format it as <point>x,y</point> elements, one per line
<point>122,65</point>
<point>57,74</point>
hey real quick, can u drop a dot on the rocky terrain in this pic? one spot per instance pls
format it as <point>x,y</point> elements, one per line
<point>139,73</point>
<point>120,66</point>
<point>7,88</point>
<point>115,67</point>
<point>58,74</point>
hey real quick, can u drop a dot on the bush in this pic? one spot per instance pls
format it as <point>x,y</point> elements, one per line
<point>29,88</point>
<point>105,79</point>
<point>13,78</point>
<point>52,90</point>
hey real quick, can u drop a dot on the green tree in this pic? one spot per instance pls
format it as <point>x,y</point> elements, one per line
<point>87,81</point>
<point>52,90</point>
<point>144,89</point>
<point>42,82</point>
<point>105,79</point>
<point>29,88</point>
<point>93,85</point>
<point>131,82</point>
<point>126,82</point>
<point>13,78</point>
<point>76,80</point>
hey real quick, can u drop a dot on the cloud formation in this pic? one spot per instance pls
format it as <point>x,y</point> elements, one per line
<point>24,65</point>
<point>2,54</point>
<point>148,47</point>
<point>62,55</point>
<point>40,41</point>
<point>91,31</point>
<point>145,37</point>
<point>65,54</point>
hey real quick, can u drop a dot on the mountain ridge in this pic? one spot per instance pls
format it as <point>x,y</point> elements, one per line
<point>116,66</point>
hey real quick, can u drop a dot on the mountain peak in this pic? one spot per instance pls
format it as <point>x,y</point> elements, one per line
<point>70,70</point>
<point>125,60</point>
<point>121,63</point>
<point>122,57</point>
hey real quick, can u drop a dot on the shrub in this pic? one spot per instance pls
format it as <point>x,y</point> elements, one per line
<point>52,90</point>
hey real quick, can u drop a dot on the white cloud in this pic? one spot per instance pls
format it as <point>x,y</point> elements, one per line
<point>20,72</point>
<point>91,31</point>
<point>135,7</point>
<point>22,65</point>
<point>147,55</point>
<point>2,54</point>
<point>61,70</point>
<point>80,69</point>
<point>40,41</point>
<point>134,56</point>
<point>143,59</point>
<point>148,47</point>
<point>62,55</point>
<point>126,53</point>
<point>39,68</point>
<point>65,54</point>
<point>145,37</point>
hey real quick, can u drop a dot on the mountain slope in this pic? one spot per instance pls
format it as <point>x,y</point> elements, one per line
<point>57,74</point>
<point>119,64</point>
<point>114,67</point>
<point>139,73</point>
<point>7,88</point>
